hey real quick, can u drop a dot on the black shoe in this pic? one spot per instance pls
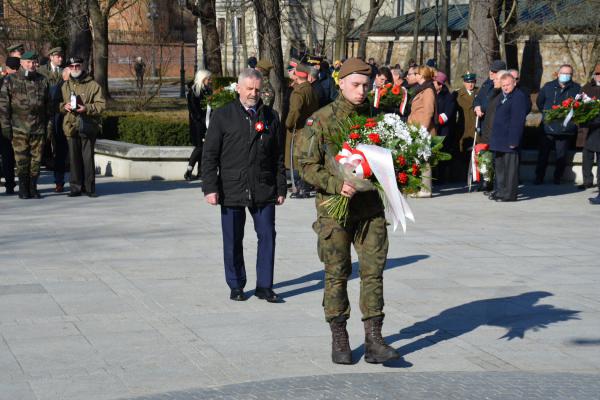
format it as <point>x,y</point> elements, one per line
<point>594,200</point>
<point>24,187</point>
<point>585,186</point>
<point>267,294</point>
<point>74,194</point>
<point>501,200</point>
<point>492,196</point>
<point>10,190</point>
<point>188,175</point>
<point>93,195</point>
<point>237,295</point>
<point>297,195</point>
<point>33,192</point>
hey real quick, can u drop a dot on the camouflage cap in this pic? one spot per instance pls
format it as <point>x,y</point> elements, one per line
<point>354,66</point>
<point>15,47</point>
<point>264,65</point>
<point>56,50</point>
<point>29,55</point>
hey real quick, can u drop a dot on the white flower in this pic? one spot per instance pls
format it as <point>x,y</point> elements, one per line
<point>483,169</point>
<point>232,87</point>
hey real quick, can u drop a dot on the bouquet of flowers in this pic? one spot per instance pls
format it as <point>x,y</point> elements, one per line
<point>390,97</point>
<point>485,164</point>
<point>581,109</point>
<point>386,154</point>
<point>221,96</point>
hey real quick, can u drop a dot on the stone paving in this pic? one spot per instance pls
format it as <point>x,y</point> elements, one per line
<point>123,297</point>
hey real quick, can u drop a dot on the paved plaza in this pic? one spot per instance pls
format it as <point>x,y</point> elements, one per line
<point>123,297</point>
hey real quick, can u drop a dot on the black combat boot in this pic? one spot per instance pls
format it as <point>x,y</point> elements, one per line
<point>376,350</point>
<point>24,187</point>
<point>340,344</point>
<point>33,188</point>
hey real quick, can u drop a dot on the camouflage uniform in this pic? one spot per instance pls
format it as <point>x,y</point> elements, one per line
<point>366,225</point>
<point>24,113</point>
<point>267,93</point>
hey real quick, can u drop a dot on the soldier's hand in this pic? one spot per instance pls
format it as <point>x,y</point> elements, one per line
<point>280,200</point>
<point>348,190</point>
<point>212,198</point>
<point>81,109</point>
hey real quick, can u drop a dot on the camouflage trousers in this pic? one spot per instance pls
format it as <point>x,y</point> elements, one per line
<point>370,240</point>
<point>28,153</point>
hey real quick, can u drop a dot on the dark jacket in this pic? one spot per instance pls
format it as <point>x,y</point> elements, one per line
<point>553,94</point>
<point>487,125</point>
<point>509,121</point>
<point>241,164</point>
<point>485,94</point>
<point>197,113</point>
<point>446,110</point>
<point>326,89</point>
<point>592,141</point>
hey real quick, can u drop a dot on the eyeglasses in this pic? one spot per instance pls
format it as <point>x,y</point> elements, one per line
<point>596,73</point>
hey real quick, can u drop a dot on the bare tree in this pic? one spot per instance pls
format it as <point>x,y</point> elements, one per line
<point>374,7</point>
<point>80,33</point>
<point>443,64</point>
<point>484,44</point>
<point>206,11</point>
<point>416,30</point>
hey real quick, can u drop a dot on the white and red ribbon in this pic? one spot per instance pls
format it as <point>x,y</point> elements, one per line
<point>355,159</point>
<point>404,101</point>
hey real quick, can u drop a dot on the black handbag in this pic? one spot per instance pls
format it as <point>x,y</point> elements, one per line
<point>88,128</point>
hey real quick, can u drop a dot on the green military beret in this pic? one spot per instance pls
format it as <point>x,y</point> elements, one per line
<point>29,55</point>
<point>56,50</point>
<point>469,77</point>
<point>14,47</point>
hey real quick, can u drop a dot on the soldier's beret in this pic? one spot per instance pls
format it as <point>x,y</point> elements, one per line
<point>75,60</point>
<point>14,47</point>
<point>302,70</point>
<point>29,55</point>
<point>13,62</point>
<point>469,77</point>
<point>354,66</point>
<point>264,64</point>
<point>55,50</point>
<point>497,65</point>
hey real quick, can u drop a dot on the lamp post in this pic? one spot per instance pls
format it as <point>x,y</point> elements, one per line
<point>182,55</point>
<point>153,16</point>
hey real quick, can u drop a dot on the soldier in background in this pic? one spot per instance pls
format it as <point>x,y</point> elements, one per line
<point>16,50</point>
<point>6,149</point>
<point>465,126</point>
<point>53,71</point>
<point>139,68</point>
<point>267,93</point>
<point>365,228</point>
<point>24,113</point>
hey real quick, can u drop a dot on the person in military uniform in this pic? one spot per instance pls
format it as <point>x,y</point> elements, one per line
<point>6,150</point>
<point>16,50</point>
<point>53,71</point>
<point>82,106</point>
<point>465,126</point>
<point>267,93</point>
<point>304,101</point>
<point>24,113</point>
<point>365,227</point>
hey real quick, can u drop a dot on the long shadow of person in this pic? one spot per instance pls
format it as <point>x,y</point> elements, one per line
<point>517,314</point>
<point>318,277</point>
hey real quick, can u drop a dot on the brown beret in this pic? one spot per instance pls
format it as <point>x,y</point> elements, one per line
<point>354,66</point>
<point>302,70</point>
<point>264,64</point>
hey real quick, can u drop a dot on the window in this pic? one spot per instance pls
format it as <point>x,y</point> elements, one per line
<point>222,30</point>
<point>240,30</point>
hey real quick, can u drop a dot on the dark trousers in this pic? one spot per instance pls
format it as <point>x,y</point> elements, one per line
<point>560,145</point>
<point>507,175</point>
<point>8,161</point>
<point>83,169</point>
<point>61,148</point>
<point>587,165</point>
<point>196,157</point>
<point>233,220</point>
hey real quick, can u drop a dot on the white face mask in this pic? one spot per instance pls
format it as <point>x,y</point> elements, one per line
<point>76,74</point>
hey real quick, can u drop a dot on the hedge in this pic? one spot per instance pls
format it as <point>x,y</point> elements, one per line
<point>146,129</point>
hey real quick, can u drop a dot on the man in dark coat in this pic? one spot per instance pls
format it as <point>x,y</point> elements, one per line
<point>486,92</point>
<point>445,124</point>
<point>591,147</point>
<point>507,132</point>
<point>242,167</point>
<point>556,136</point>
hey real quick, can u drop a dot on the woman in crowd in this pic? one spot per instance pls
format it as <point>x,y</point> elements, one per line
<point>198,91</point>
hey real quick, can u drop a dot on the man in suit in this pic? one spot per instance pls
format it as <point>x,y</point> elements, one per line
<point>243,167</point>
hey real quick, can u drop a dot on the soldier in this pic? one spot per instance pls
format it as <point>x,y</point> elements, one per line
<point>24,112</point>
<point>365,227</point>
<point>6,149</point>
<point>304,101</point>
<point>82,104</point>
<point>16,50</point>
<point>53,71</point>
<point>267,93</point>
<point>465,125</point>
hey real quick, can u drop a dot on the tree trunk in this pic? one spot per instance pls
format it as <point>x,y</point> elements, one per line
<point>347,26</point>
<point>511,50</point>
<point>443,63</point>
<point>80,34</point>
<point>339,29</point>
<point>374,7</point>
<point>99,21</point>
<point>416,29</point>
<point>483,40</point>
<point>269,38</point>
<point>205,10</point>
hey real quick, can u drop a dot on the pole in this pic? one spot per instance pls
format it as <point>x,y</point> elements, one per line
<point>182,58</point>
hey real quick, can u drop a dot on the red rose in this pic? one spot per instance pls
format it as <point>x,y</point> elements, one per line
<point>567,102</point>
<point>354,135</point>
<point>415,169</point>
<point>576,104</point>
<point>370,124</point>
<point>402,178</point>
<point>353,127</point>
<point>396,90</point>
<point>374,138</point>
<point>388,85</point>
<point>259,126</point>
<point>555,107</point>
<point>401,161</point>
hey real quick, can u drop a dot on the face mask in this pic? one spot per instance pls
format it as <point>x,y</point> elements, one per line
<point>564,78</point>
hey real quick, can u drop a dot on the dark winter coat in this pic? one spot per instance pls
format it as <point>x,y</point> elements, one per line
<point>240,163</point>
<point>326,89</point>
<point>446,107</point>
<point>485,94</point>
<point>592,141</point>
<point>509,122</point>
<point>553,94</point>
<point>197,113</point>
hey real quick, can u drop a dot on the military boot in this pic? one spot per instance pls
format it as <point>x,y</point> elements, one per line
<point>340,344</point>
<point>24,187</point>
<point>33,188</point>
<point>376,350</point>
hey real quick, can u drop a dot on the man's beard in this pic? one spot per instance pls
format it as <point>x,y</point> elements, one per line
<point>76,74</point>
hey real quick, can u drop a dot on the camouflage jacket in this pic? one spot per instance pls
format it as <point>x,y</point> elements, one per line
<point>89,94</point>
<point>317,163</point>
<point>24,104</point>
<point>267,93</point>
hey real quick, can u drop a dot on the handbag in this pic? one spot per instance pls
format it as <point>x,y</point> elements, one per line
<point>88,128</point>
